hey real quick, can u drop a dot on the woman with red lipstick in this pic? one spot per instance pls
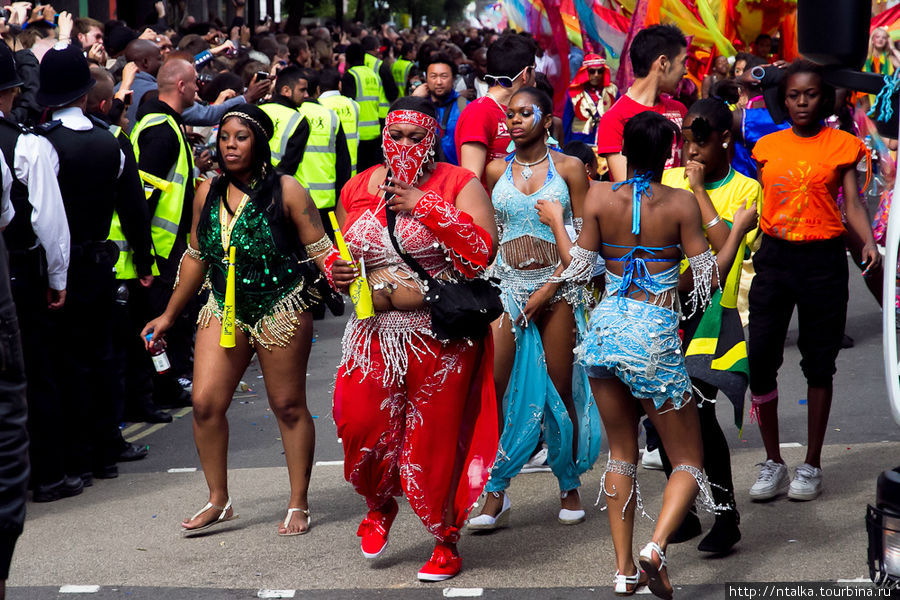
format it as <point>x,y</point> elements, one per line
<point>536,192</point>
<point>802,262</point>
<point>415,415</point>
<point>280,248</point>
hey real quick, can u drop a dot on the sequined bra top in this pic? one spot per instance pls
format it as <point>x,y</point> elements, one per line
<point>635,272</point>
<point>517,218</point>
<point>367,238</point>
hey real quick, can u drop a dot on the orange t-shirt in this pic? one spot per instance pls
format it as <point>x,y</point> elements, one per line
<point>801,179</point>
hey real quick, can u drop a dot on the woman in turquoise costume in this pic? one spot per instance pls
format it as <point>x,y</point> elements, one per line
<point>280,248</point>
<point>535,191</point>
<point>632,351</point>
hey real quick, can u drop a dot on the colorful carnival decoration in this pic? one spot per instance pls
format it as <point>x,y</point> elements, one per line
<point>714,27</point>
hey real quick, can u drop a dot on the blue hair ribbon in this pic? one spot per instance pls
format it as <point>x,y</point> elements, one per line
<point>640,184</point>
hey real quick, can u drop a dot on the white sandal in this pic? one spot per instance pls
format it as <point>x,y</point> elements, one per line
<point>623,581</point>
<point>222,518</point>
<point>287,520</point>
<point>647,564</point>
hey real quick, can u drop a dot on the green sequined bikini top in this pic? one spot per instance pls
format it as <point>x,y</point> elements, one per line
<point>263,273</point>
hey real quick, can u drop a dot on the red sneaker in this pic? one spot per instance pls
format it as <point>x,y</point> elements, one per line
<point>375,527</point>
<point>443,564</point>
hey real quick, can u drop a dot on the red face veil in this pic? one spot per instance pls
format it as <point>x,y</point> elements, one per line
<point>406,162</point>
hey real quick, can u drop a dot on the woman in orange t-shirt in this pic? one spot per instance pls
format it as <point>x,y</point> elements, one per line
<point>802,262</point>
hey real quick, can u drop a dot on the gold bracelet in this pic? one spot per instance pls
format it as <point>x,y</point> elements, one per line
<point>712,223</point>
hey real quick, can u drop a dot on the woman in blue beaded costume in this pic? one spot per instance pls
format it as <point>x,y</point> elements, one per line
<point>280,248</point>
<point>535,192</point>
<point>632,352</point>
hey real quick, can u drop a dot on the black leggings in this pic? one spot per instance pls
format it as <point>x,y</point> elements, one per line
<point>716,455</point>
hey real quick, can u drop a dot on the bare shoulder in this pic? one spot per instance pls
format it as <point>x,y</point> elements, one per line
<point>567,165</point>
<point>496,167</point>
<point>203,188</point>
<point>290,186</point>
<point>596,194</point>
<point>494,171</point>
<point>681,202</point>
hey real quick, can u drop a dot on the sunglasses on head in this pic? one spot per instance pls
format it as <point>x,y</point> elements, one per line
<point>504,81</point>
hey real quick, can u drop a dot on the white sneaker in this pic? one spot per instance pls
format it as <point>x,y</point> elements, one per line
<point>807,483</point>
<point>537,463</point>
<point>651,460</point>
<point>772,480</point>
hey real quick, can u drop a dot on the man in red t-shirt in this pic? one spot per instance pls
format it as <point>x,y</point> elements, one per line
<point>658,56</point>
<point>481,134</point>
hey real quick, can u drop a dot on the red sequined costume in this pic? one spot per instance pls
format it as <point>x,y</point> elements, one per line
<point>416,415</point>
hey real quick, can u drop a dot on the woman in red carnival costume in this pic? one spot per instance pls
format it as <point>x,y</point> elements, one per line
<point>415,415</point>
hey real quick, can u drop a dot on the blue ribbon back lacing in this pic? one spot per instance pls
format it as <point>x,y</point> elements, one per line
<point>883,106</point>
<point>635,271</point>
<point>640,184</point>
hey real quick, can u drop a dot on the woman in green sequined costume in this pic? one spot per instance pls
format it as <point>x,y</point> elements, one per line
<point>267,217</point>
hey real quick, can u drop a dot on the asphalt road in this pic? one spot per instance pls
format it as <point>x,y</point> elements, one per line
<point>122,535</point>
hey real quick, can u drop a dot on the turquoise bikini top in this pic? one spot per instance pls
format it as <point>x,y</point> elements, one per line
<point>634,270</point>
<point>514,210</point>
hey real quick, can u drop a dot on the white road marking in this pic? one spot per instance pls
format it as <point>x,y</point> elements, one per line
<point>463,592</point>
<point>329,463</point>
<point>276,593</point>
<point>791,445</point>
<point>79,589</point>
<point>857,580</point>
<point>182,470</point>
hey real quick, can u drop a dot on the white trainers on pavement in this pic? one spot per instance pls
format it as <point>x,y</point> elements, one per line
<point>807,483</point>
<point>772,480</point>
<point>651,460</point>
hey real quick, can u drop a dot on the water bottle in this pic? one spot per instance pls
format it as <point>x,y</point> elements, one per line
<point>158,354</point>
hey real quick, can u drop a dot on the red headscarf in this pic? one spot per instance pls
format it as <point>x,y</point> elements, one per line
<point>591,61</point>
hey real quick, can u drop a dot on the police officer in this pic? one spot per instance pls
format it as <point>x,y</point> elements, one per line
<point>38,243</point>
<point>14,471</point>
<point>166,167</point>
<point>90,175</point>
<point>346,109</point>
<point>363,85</point>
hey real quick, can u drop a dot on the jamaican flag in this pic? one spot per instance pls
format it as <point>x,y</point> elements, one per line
<point>715,349</point>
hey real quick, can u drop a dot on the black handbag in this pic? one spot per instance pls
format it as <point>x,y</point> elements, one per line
<point>459,310</point>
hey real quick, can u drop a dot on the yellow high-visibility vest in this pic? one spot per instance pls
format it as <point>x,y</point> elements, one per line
<point>347,111</point>
<point>286,120</point>
<point>368,91</point>
<point>318,169</point>
<point>125,268</point>
<point>167,217</point>
<point>375,64</point>
<point>400,70</point>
